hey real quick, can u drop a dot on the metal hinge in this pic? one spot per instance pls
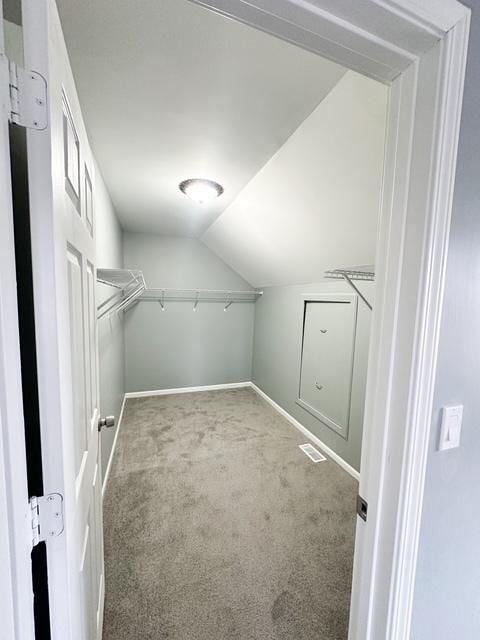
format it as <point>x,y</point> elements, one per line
<point>28,97</point>
<point>362,507</point>
<point>47,517</point>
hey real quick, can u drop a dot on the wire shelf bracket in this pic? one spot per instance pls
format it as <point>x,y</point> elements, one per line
<point>365,274</point>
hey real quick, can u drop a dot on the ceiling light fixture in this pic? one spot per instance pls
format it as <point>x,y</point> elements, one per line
<point>201,190</point>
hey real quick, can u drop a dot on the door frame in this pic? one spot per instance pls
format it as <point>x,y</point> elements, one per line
<point>16,589</point>
<point>418,48</point>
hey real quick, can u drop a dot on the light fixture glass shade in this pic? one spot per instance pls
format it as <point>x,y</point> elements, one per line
<point>201,190</point>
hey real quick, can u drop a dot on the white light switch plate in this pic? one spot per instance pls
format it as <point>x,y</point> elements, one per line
<point>450,427</point>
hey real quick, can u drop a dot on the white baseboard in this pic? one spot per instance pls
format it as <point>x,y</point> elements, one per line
<point>168,392</point>
<point>330,453</point>
<point>112,451</point>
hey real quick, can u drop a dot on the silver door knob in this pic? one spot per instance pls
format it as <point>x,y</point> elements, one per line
<point>108,421</point>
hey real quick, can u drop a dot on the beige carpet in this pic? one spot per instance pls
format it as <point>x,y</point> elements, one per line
<point>218,526</point>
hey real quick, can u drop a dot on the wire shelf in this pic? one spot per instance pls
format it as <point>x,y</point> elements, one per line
<point>225,296</point>
<point>354,273</point>
<point>129,283</point>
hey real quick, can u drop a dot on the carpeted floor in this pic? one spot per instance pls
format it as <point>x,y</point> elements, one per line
<point>217,526</point>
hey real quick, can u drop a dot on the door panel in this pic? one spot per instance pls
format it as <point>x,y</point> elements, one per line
<point>75,305</point>
<point>327,360</point>
<point>91,328</point>
<point>88,200</point>
<point>63,248</point>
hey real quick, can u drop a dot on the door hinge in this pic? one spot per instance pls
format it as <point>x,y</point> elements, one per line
<point>46,516</point>
<point>362,507</point>
<point>28,97</point>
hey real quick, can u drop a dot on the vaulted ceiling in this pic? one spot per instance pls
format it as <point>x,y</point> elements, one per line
<point>170,90</point>
<point>314,205</point>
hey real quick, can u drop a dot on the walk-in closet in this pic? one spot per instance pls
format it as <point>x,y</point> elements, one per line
<point>221,190</point>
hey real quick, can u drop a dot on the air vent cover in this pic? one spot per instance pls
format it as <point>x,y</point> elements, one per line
<point>312,453</point>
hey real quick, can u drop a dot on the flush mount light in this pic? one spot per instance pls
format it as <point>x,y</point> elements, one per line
<point>201,190</point>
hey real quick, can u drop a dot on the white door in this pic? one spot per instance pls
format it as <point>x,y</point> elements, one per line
<point>61,175</point>
<point>16,594</point>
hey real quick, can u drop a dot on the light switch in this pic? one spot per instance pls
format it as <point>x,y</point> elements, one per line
<point>451,427</point>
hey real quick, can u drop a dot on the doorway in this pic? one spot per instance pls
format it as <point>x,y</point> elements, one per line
<point>212,306</point>
<point>406,95</point>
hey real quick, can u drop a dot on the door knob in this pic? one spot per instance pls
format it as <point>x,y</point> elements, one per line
<point>108,421</point>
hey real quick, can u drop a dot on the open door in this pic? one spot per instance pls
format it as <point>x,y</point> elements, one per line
<point>62,182</point>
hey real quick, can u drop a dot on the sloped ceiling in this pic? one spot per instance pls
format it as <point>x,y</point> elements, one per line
<point>170,90</point>
<point>315,203</point>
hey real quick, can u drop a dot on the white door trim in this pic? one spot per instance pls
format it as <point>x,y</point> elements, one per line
<point>418,47</point>
<point>16,592</point>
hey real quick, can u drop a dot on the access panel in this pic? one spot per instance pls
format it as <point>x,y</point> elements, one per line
<point>328,349</point>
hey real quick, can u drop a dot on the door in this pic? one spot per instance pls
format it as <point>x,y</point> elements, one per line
<point>328,347</point>
<point>62,182</point>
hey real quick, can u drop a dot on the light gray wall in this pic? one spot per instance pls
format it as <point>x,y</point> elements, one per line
<point>447,596</point>
<point>111,348</point>
<point>277,353</point>
<point>179,347</point>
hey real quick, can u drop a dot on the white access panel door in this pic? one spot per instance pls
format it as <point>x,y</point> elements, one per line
<point>16,592</point>
<point>327,359</point>
<point>61,175</point>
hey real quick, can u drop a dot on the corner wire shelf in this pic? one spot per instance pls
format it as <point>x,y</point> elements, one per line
<point>365,274</point>
<point>130,285</point>
<point>224,296</point>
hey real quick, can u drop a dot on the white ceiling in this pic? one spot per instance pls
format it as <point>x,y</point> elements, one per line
<point>170,90</point>
<point>314,206</point>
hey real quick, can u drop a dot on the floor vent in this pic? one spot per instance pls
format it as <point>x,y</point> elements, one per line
<point>312,453</point>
